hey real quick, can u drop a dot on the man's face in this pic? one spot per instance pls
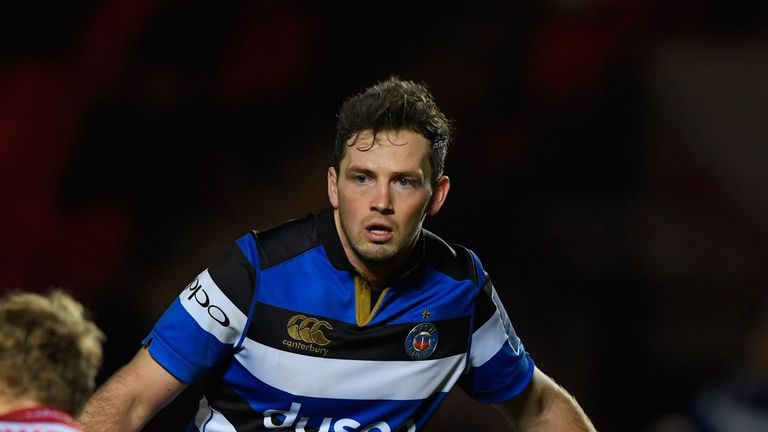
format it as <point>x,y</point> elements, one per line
<point>382,192</point>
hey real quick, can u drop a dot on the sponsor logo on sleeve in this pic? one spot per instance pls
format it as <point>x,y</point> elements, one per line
<point>198,295</point>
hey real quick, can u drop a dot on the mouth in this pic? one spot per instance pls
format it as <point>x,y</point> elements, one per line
<point>378,232</point>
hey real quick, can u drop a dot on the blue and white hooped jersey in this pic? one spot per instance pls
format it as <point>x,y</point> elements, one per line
<point>289,338</point>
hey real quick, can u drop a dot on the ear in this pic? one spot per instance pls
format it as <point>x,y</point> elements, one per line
<point>333,188</point>
<point>439,194</point>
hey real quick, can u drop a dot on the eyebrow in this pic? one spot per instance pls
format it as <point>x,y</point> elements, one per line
<point>358,169</point>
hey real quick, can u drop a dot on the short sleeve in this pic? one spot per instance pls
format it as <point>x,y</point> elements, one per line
<point>208,319</point>
<point>499,367</point>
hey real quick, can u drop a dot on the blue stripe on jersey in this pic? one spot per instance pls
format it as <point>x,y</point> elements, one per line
<point>247,245</point>
<point>173,342</point>
<point>294,285</point>
<point>477,382</point>
<point>263,397</point>
<point>441,296</point>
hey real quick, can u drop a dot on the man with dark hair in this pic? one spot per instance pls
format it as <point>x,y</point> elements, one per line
<point>50,353</point>
<point>352,319</point>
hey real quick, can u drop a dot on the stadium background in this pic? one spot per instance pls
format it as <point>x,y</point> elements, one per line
<point>609,165</point>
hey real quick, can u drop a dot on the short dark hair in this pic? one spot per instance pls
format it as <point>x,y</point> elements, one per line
<point>394,104</point>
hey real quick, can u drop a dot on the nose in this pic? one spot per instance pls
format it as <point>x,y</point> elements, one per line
<point>381,201</point>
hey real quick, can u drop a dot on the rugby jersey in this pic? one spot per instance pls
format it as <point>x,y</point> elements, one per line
<point>38,419</point>
<point>282,329</point>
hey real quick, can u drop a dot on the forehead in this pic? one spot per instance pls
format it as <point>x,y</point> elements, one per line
<point>400,149</point>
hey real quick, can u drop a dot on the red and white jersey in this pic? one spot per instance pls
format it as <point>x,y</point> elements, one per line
<point>41,419</point>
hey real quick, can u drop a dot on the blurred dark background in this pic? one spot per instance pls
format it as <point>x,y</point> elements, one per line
<point>609,166</point>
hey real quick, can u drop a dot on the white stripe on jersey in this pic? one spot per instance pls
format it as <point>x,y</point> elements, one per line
<point>493,334</point>
<point>350,379</point>
<point>487,340</point>
<point>6,426</point>
<point>512,339</point>
<point>208,305</point>
<point>213,420</point>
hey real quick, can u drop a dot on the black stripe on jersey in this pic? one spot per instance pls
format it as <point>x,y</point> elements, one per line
<point>453,260</point>
<point>349,341</point>
<point>235,277</point>
<point>234,407</point>
<point>484,307</point>
<point>285,241</point>
<point>329,237</point>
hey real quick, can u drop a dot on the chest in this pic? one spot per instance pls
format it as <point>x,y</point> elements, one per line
<point>304,313</point>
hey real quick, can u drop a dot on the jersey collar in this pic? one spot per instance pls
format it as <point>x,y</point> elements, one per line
<point>331,242</point>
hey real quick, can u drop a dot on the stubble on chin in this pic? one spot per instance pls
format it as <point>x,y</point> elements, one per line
<point>374,253</point>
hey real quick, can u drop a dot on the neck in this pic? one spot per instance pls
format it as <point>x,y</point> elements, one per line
<point>9,404</point>
<point>377,274</point>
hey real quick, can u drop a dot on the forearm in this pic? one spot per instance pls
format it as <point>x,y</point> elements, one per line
<point>545,406</point>
<point>114,407</point>
<point>559,412</point>
<point>130,397</point>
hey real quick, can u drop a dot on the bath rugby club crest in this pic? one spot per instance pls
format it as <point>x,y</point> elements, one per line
<point>421,341</point>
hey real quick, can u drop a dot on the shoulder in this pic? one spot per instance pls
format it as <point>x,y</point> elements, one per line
<point>287,240</point>
<point>454,260</point>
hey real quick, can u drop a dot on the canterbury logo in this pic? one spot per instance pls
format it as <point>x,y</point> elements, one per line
<point>308,329</point>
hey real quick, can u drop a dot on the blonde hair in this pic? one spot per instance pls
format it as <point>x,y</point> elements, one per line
<point>49,349</point>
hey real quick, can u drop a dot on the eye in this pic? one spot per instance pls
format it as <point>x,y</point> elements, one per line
<point>361,178</point>
<point>405,182</point>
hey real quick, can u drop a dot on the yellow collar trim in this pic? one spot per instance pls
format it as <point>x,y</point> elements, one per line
<point>363,311</point>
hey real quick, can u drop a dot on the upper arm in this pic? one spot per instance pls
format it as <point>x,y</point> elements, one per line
<point>204,324</point>
<point>499,366</point>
